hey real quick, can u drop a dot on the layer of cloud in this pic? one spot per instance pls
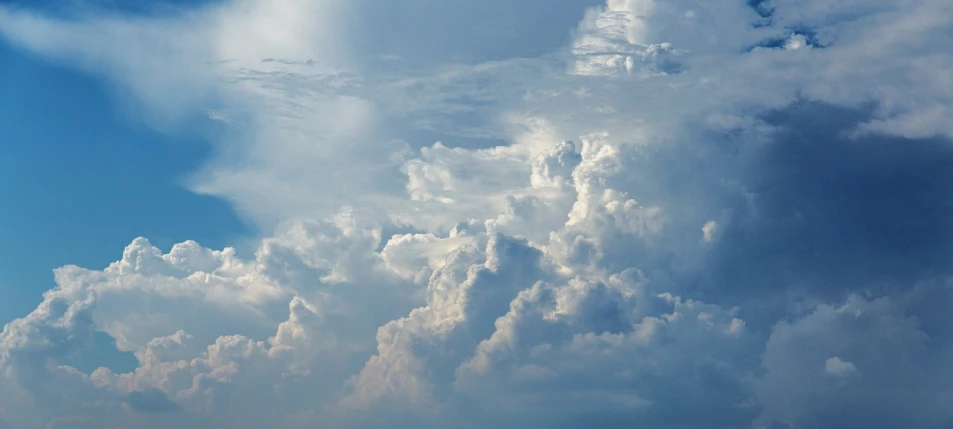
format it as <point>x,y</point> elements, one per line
<point>680,214</point>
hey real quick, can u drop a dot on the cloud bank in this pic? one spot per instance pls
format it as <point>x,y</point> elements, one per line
<point>679,214</point>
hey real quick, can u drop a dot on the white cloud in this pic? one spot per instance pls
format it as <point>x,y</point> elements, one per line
<point>541,266</point>
<point>835,366</point>
<point>709,230</point>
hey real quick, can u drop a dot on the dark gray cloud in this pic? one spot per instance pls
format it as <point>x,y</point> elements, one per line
<point>833,212</point>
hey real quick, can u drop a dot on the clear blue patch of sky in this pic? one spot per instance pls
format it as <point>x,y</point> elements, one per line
<point>79,179</point>
<point>102,353</point>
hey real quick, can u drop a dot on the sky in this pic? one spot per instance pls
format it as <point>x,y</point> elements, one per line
<point>76,172</point>
<point>456,214</point>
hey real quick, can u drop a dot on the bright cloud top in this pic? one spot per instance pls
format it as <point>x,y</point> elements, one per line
<point>717,214</point>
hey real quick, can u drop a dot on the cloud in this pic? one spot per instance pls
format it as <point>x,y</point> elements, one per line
<point>709,230</point>
<point>670,214</point>
<point>151,401</point>
<point>859,354</point>
<point>835,366</point>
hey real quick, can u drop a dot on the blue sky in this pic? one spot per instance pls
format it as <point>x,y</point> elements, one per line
<point>456,214</point>
<point>82,177</point>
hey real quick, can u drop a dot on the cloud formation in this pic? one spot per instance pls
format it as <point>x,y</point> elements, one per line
<point>677,214</point>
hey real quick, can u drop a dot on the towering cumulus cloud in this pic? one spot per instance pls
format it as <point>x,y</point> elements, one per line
<point>642,213</point>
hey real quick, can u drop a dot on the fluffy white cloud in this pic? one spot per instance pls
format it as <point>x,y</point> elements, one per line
<point>723,214</point>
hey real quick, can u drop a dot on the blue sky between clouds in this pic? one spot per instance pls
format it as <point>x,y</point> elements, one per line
<point>82,176</point>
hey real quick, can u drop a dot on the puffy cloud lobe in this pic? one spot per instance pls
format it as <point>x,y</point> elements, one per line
<point>835,366</point>
<point>464,297</point>
<point>605,349</point>
<point>748,229</point>
<point>142,298</point>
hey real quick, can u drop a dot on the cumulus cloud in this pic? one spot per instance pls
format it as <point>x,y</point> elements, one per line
<point>674,214</point>
<point>835,366</point>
